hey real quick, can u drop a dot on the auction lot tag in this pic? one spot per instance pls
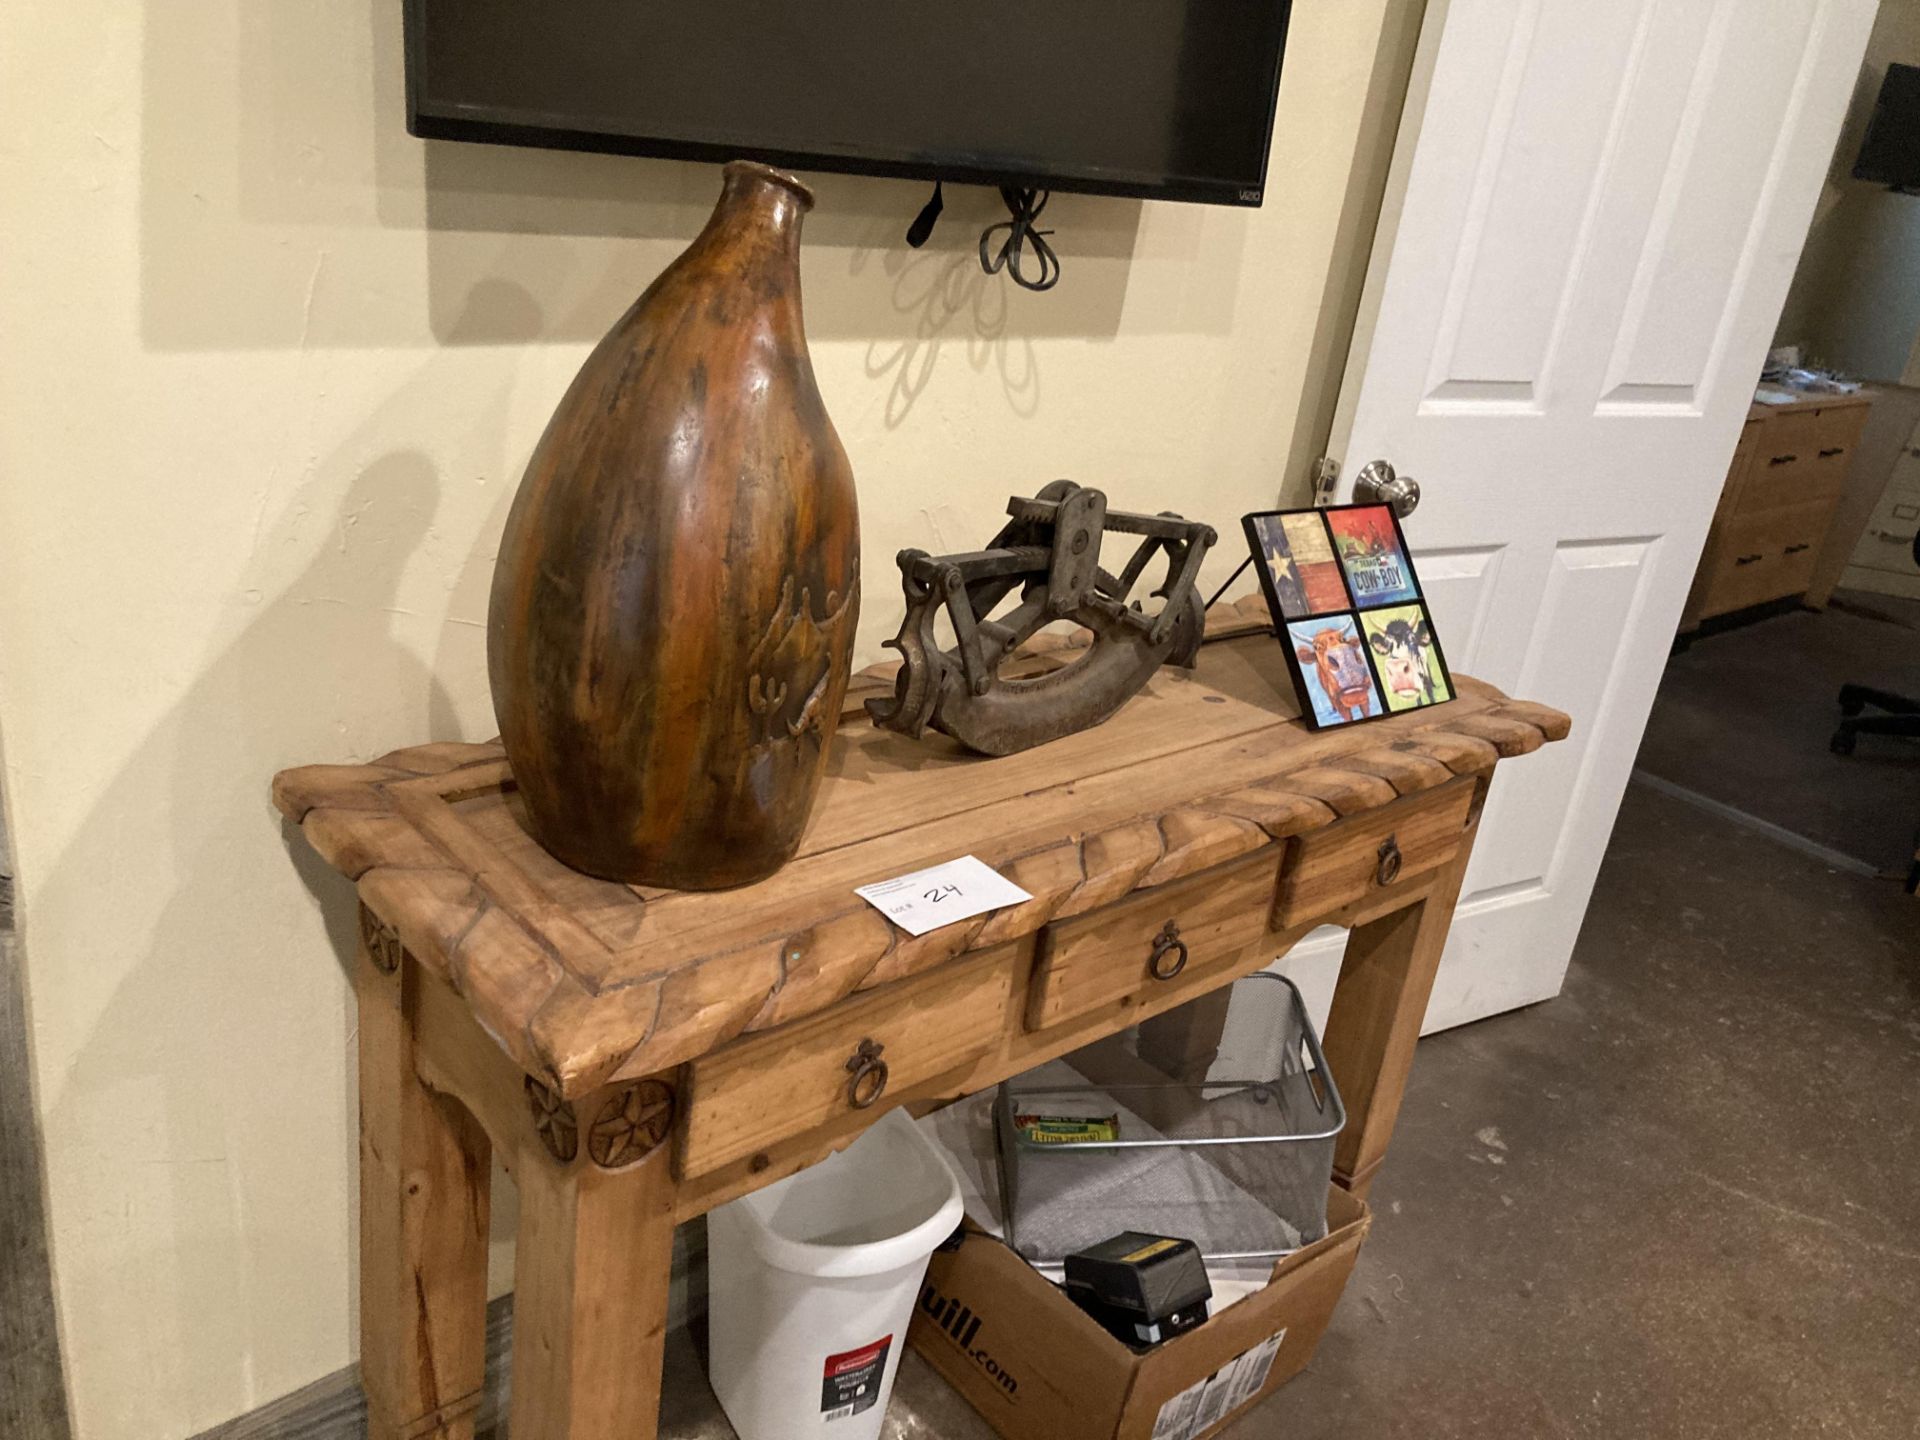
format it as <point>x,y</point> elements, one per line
<point>942,894</point>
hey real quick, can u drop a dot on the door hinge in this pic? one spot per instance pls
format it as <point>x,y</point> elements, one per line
<point>1326,475</point>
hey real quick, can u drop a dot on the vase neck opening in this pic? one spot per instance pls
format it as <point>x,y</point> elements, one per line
<point>750,176</point>
<point>762,206</point>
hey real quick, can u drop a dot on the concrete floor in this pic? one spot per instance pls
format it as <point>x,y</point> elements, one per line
<point>1681,1200</point>
<point>1677,1201</point>
<point>1744,717</point>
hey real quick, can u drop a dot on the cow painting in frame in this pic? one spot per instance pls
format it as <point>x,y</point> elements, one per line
<point>1332,661</point>
<point>1407,657</point>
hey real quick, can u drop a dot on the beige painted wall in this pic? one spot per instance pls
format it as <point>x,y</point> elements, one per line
<point>1855,301</point>
<point>271,369</point>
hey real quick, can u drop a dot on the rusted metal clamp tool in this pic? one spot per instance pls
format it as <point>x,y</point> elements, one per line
<point>1049,552</point>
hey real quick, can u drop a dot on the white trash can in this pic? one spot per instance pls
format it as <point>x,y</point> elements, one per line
<point>812,1280</point>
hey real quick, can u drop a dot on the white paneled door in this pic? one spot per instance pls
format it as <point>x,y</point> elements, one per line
<point>1600,205</point>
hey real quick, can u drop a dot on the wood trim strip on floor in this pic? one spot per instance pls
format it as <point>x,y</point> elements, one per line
<point>1778,833</point>
<point>334,1407</point>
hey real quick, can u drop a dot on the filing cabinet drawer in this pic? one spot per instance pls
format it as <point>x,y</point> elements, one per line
<point>1785,467</point>
<point>1801,459</point>
<point>1837,432</point>
<point>1767,556</point>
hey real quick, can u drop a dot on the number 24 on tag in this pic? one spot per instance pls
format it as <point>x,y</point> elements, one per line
<point>942,894</point>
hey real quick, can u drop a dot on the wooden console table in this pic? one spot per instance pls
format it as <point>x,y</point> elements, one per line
<point>637,1057</point>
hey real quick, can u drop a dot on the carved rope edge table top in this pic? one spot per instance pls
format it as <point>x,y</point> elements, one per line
<point>584,982</point>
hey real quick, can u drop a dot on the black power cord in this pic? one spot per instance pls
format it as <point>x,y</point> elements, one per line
<point>1025,207</point>
<point>1230,579</point>
<point>922,226</point>
<point>1043,273</point>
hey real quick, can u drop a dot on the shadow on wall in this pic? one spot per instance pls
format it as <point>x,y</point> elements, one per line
<point>165,1104</point>
<point>298,213</point>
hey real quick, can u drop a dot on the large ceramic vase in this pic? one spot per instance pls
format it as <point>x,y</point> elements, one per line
<point>674,603</point>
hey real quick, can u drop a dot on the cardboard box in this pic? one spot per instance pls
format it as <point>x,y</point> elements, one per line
<point>1037,1368</point>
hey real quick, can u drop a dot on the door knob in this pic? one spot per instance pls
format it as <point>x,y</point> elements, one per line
<point>1377,484</point>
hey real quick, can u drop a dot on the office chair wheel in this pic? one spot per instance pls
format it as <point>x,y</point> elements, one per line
<point>1842,742</point>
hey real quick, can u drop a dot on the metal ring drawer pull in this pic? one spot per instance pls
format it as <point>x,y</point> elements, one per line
<point>1388,870</point>
<point>869,1073</point>
<point>1166,943</point>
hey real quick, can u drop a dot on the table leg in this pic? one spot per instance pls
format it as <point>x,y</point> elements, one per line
<point>1185,1041</point>
<point>1386,979</point>
<point>591,1269</point>
<point>424,1195</point>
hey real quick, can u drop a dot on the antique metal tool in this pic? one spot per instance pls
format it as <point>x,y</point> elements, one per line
<point>1049,552</point>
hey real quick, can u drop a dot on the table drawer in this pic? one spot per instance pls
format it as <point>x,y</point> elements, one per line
<point>1768,556</point>
<point>1803,482</point>
<point>1784,453</point>
<point>1784,463</point>
<point>1838,427</point>
<point>1350,859</point>
<point>1097,959</point>
<point>1750,436</point>
<point>861,1055</point>
<point>1837,432</point>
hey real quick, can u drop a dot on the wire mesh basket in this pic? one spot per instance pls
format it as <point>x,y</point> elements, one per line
<point>1214,1123</point>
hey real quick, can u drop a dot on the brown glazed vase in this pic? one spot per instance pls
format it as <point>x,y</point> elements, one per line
<point>674,603</point>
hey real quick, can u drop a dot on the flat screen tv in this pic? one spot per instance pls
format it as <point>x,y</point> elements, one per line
<point>1166,99</point>
<point>1890,155</point>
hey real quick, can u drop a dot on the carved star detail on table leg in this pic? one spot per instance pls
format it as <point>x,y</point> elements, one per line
<point>632,1123</point>
<point>553,1121</point>
<point>382,942</point>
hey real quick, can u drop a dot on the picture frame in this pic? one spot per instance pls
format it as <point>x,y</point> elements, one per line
<point>1349,612</point>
